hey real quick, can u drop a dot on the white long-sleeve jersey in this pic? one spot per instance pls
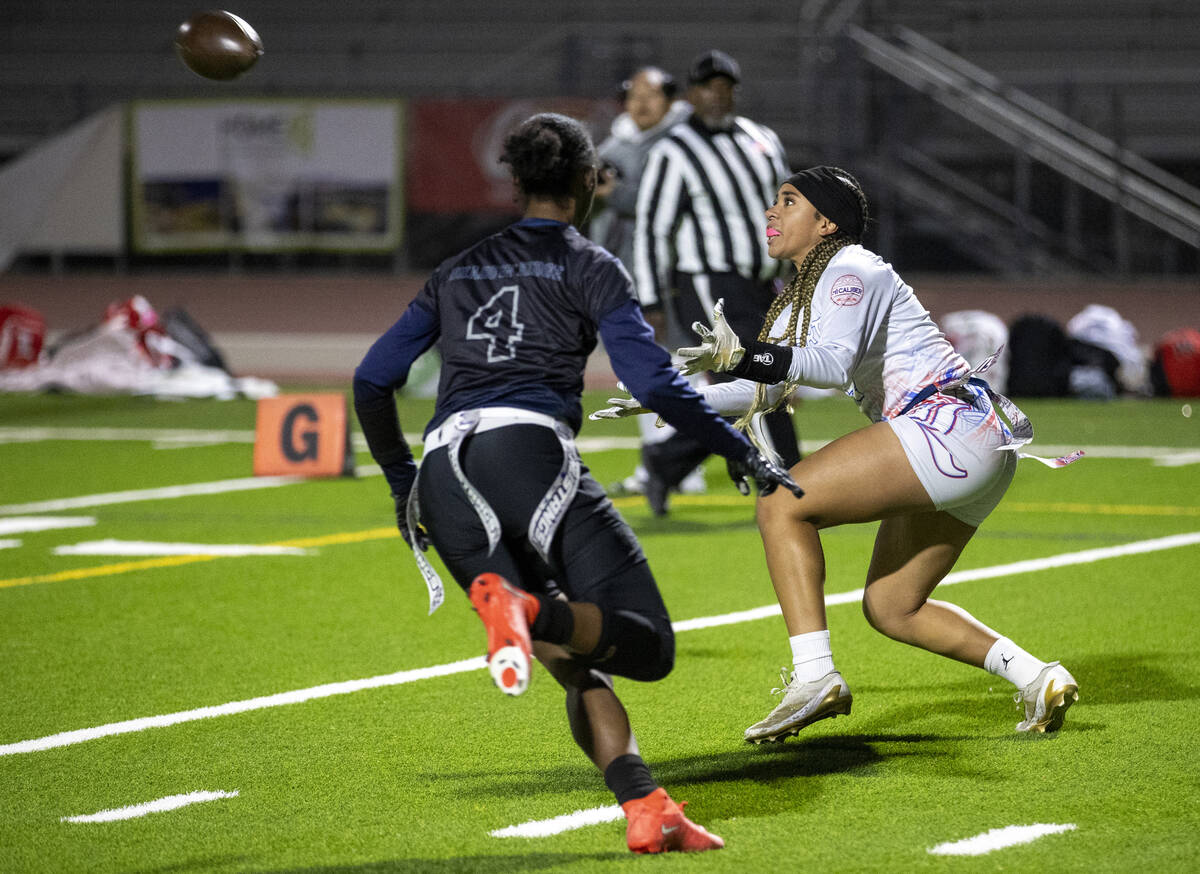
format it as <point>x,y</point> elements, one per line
<point>869,336</point>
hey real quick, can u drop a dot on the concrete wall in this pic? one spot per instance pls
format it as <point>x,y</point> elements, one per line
<point>316,328</point>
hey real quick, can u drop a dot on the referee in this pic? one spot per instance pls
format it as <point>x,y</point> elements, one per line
<point>700,235</point>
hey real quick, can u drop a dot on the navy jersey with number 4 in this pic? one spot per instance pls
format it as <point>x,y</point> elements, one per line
<point>515,318</point>
<point>527,302</point>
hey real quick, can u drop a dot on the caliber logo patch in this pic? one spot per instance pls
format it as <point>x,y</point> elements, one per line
<point>847,290</point>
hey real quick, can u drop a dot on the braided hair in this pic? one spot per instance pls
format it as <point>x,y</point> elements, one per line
<point>798,293</point>
<point>549,155</point>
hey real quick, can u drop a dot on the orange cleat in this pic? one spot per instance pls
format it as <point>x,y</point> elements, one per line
<point>657,825</point>
<point>507,612</point>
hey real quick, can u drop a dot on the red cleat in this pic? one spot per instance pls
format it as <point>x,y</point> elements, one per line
<point>507,612</point>
<point>657,825</point>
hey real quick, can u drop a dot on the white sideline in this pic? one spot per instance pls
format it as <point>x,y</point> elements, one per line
<point>171,802</point>
<point>999,838</point>
<point>296,696</point>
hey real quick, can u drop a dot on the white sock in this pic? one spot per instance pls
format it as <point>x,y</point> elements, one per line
<point>811,656</point>
<point>1006,659</point>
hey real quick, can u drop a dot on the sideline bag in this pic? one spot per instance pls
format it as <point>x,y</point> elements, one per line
<point>1175,371</point>
<point>22,333</point>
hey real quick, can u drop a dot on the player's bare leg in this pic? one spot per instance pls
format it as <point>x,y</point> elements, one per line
<point>858,478</point>
<point>913,553</point>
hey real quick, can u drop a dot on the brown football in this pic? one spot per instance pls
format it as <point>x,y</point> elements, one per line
<point>217,45</point>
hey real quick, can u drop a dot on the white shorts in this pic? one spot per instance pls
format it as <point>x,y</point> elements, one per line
<point>953,447</point>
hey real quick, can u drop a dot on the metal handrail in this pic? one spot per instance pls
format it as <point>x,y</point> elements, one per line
<point>1051,116</point>
<point>1042,141</point>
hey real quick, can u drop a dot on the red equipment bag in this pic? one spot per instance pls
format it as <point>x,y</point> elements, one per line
<point>22,333</point>
<point>1176,367</point>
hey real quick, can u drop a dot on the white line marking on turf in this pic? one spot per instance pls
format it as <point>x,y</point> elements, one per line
<point>543,828</point>
<point>179,437</point>
<point>263,702</point>
<point>9,543</point>
<point>171,802</point>
<point>218,487</point>
<point>473,664</point>
<point>999,838</point>
<point>142,547</point>
<point>26,524</point>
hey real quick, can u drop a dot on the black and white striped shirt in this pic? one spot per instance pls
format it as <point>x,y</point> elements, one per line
<point>701,203</point>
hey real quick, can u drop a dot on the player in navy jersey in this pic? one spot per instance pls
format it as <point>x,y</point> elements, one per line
<point>548,563</point>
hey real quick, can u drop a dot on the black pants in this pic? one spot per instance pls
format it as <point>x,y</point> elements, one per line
<point>594,558</point>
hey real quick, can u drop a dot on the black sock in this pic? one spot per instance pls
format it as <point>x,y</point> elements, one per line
<point>555,623</point>
<point>629,778</point>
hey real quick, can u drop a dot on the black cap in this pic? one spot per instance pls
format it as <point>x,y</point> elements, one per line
<point>714,63</point>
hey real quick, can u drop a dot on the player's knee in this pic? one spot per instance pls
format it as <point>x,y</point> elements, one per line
<point>636,646</point>
<point>889,619</point>
<point>781,511</point>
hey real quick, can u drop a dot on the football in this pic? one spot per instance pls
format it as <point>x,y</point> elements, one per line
<point>217,45</point>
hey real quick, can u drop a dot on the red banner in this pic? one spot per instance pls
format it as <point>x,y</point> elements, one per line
<point>454,149</point>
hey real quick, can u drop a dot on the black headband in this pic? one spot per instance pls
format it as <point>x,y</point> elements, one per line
<point>836,195</point>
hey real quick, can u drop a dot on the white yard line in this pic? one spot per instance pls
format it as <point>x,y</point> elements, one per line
<point>183,437</point>
<point>171,802</point>
<point>999,839</point>
<point>144,547</point>
<point>279,699</point>
<point>544,828</point>
<point>27,524</point>
<point>219,487</point>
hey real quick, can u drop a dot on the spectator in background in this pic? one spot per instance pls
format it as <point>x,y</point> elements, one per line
<point>698,236</point>
<point>650,112</point>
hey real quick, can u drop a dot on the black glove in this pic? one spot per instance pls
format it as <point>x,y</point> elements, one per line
<point>419,534</point>
<point>737,473</point>
<point>766,474</point>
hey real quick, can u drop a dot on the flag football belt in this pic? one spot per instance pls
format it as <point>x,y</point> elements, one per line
<point>550,509</point>
<point>1019,429</point>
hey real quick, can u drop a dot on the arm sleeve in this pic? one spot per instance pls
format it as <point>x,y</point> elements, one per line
<point>735,398</point>
<point>645,369</point>
<point>842,336</point>
<point>382,371</point>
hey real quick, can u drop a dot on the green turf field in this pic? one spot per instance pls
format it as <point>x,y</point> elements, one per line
<point>340,729</point>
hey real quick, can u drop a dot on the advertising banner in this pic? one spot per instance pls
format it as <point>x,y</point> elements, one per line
<point>454,158</point>
<point>267,175</point>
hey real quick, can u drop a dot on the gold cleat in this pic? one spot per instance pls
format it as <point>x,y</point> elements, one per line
<point>1046,699</point>
<point>802,705</point>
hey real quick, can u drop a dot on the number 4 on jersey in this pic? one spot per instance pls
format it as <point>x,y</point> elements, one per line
<point>496,322</point>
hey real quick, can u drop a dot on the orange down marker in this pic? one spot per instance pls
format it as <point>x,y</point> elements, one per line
<point>303,435</point>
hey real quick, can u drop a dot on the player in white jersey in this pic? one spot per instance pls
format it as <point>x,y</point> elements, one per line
<point>932,465</point>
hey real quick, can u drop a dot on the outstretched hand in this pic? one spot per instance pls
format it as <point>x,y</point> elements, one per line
<point>621,407</point>
<point>719,349</point>
<point>766,474</point>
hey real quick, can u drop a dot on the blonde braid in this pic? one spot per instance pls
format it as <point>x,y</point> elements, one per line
<point>799,294</point>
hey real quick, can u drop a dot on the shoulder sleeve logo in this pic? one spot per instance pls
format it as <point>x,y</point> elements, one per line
<point>847,290</point>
